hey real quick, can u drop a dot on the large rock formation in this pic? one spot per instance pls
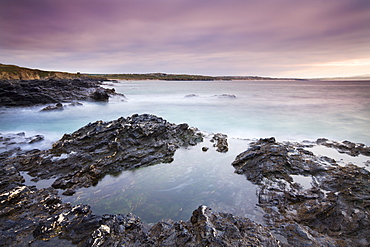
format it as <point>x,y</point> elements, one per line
<point>334,210</point>
<point>82,158</point>
<point>33,92</point>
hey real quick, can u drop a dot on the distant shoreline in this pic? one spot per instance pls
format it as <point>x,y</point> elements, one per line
<point>13,72</point>
<point>186,77</point>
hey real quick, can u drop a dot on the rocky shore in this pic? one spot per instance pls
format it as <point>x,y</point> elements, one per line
<point>52,91</point>
<point>333,210</point>
<point>82,158</point>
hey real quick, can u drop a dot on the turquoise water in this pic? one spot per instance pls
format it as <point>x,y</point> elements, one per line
<point>288,110</point>
<point>285,109</point>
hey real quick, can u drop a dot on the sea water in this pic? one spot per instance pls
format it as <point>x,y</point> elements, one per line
<point>287,110</point>
<point>297,110</point>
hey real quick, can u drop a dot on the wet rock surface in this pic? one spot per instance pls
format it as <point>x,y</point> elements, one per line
<point>51,91</point>
<point>37,217</point>
<point>207,228</point>
<point>347,147</point>
<point>220,142</point>
<point>31,217</point>
<point>333,211</point>
<point>56,107</point>
<point>84,157</point>
<point>10,144</point>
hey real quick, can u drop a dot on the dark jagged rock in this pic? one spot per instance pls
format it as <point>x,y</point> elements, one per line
<point>51,91</point>
<point>10,144</point>
<point>82,158</point>
<point>220,142</point>
<point>347,147</point>
<point>32,217</point>
<point>36,138</point>
<point>225,96</point>
<point>207,228</point>
<point>57,107</point>
<point>333,211</point>
<point>191,95</point>
<point>100,95</point>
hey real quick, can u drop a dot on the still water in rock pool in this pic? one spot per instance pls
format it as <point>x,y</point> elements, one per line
<point>174,190</point>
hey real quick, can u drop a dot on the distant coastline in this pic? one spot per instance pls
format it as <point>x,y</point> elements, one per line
<point>13,72</point>
<point>186,77</point>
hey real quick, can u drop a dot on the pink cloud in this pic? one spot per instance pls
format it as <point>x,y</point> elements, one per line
<point>283,32</point>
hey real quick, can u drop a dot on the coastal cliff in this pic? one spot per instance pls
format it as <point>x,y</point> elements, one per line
<point>13,72</point>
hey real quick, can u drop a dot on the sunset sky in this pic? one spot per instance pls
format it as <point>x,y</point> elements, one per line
<point>278,38</point>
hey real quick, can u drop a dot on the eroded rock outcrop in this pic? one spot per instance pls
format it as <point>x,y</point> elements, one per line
<point>82,158</point>
<point>333,211</point>
<point>51,91</point>
<point>207,228</point>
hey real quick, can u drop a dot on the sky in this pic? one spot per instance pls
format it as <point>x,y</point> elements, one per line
<point>276,38</point>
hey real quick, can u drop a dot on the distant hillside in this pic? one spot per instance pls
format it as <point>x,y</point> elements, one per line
<point>354,78</point>
<point>13,72</point>
<point>184,77</point>
<point>159,76</point>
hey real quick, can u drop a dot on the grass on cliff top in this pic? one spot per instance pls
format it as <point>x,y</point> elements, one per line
<point>17,71</point>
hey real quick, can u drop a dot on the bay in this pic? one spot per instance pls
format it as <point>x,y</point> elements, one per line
<point>287,110</point>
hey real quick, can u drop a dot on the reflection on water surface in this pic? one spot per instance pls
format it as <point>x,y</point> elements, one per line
<point>174,190</point>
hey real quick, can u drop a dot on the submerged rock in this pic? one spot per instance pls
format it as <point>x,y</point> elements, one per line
<point>191,95</point>
<point>57,107</point>
<point>333,211</point>
<point>225,96</point>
